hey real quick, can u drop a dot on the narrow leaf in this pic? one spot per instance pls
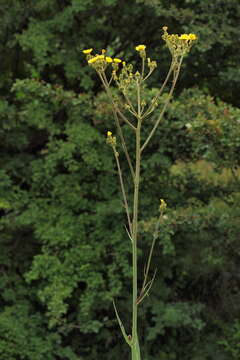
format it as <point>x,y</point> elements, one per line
<point>121,326</point>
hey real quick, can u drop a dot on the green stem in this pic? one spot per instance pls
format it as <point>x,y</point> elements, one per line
<point>135,346</point>
<point>133,112</point>
<point>123,189</point>
<point>155,236</point>
<point>135,343</point>
<point>143,68</point>
<point>136,351</point>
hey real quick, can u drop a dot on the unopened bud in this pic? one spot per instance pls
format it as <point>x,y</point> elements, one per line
<point>163,205</point>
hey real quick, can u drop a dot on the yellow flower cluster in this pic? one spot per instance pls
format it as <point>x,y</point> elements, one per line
<point>188,37</point>
<point>111,140</point>
<point>179,45</point>
<point>96,58</point>
<point>102,59</point>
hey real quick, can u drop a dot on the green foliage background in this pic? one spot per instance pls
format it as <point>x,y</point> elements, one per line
<point>63,248</point>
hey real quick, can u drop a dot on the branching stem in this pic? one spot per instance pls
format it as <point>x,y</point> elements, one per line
<point>165,105</point>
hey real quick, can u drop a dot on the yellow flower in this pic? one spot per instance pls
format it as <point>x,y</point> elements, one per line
<point>184,37</point>
<point>192,37</point>
<point>109,59</point>
<point>140,47</point>
<point>93,60</point>
<point>87,51</point>
<point>188,37</point>
<point>96,58</point>
<point>117,61</point>
<point>109,133</point>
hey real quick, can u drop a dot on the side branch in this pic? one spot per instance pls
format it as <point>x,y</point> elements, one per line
<point>164,107</point>
<point>151,107</point>
<point>105,84</point>
<point>123,190</point>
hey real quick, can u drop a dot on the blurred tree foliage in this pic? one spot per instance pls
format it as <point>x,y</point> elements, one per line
<point>63,251</point>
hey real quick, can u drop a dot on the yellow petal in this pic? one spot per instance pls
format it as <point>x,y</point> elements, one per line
<point>140,47</point>
<point>87,51</point>
<point>192,37</point>
<point>184,37</point>
<point>109,59</point>
<point>93,60</point>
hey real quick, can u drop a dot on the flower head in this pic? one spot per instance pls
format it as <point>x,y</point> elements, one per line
<point>184,37</point>
<point>96,58</point>
<point>109,133</point>
<point>93,60</point>
<point>188,37</point>
<point>117,61</point>
<point>108,59</point>
<point>140,47</point>
<point>192,37</point>
<point>87,51</point>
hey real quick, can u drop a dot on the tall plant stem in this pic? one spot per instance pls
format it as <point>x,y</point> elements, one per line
<point>135,343</point>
